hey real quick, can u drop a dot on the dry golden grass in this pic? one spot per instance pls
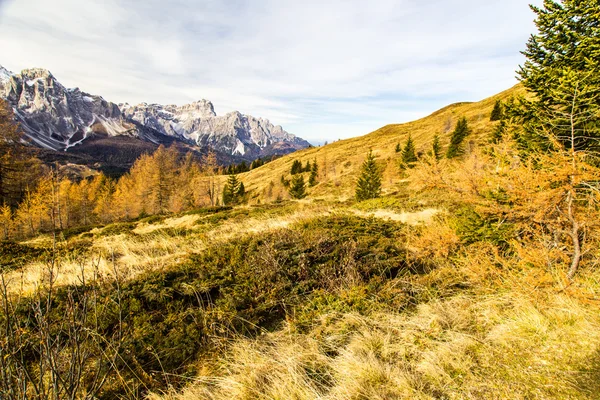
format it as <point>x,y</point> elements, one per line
<point>502,346</point>
<point>410,218</point>
<point>339,162</point>
<point>168,242</point>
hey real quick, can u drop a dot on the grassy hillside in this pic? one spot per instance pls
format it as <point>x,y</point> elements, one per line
<point>450,286</point>
<point>339,162</point>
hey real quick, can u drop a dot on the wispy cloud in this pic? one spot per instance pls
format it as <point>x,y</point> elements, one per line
<point>323,69</point>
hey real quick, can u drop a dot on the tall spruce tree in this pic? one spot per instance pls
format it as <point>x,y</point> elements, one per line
<point>562,70</point>
<point>306,167</point>
<point>231,190</point>
<point>241,192</point>
<point>436,147</point>
<point>314,174</point>
<point>498,132</point>
<point>458,136</point>
<point>497,112</point>
<point>368,185</point>
<point>297,187</point>
<point>296,167</point>
<point>409,157</point>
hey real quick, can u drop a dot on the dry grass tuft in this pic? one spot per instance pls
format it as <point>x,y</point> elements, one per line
<point>466,347</point>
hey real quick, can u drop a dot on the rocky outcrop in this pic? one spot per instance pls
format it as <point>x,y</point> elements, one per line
<point>233,133</point>
<point>58,118</point>
<point>55,117</point>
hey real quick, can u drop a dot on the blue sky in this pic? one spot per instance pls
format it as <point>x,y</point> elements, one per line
<point>324,70</point>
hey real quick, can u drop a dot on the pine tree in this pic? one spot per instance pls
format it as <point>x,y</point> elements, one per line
<point>368,185</point>
<point>498,132</point>
<point>562,71</point>
<point>241,192</point>
<point>458,136</point>
<point>297,187</point>
<point>314,174</point>
<point>296,167</point>
<point>497,112</point>
<point>307,166</point>
<point>398,148</point>
<point>409,156</point>
<point>436,147</point>
<point>231,190</point>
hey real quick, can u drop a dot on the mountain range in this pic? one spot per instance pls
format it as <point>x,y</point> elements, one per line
<point>59,119</point>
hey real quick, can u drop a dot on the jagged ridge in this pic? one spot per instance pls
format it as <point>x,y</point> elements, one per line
<point>58,118</point>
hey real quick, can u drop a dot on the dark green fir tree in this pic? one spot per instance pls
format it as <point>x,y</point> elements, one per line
<point>409,156</point>
<point>461,131</point>
<point>296,167</point>
<point>230,190</point>
<point>562,71</point>
<point>497,112</point>
<point>297,187</point>
<point>368,185</point>
<point>436,147</point>
<point>314,174</point>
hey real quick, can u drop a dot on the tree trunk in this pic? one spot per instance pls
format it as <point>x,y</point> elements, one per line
<point>575,236</point>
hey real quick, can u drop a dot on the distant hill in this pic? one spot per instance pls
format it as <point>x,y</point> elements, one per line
<point>339,162</point>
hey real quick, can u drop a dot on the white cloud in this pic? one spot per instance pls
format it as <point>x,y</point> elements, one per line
<point>323,69</point>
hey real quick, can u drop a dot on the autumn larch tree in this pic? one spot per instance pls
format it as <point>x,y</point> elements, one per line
<point>561,117</point>
<point>562,71</point>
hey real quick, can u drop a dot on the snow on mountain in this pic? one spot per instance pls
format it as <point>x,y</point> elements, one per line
<point>54,117</point>
<point>4,74</point>
<point>58,118</point>
<point>233,133</point>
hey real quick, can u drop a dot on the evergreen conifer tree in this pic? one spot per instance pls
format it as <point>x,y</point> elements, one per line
<point>497,112</point>
<point>297,187</point>
<point>409,156</point>
<point>296,167</point>
<point>307,167</point>
<point>498,132</point>
<point>436,147</point>
<point>230,190</point>
<point>314,174</point>
<point>241,192</point>
<point>458,136</point>
<point>562,70</point>
<point>398,148</point>
<point>368,185</point>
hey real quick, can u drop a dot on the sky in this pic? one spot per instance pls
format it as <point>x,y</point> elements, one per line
<point>324,70</point>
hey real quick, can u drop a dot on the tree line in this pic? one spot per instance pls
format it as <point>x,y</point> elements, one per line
<point>158,183</point>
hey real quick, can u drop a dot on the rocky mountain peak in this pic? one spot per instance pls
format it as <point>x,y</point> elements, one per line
<point>58,118</point>
<point>4,74</point>
<point>201,108</point>
<point>55,117</point>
